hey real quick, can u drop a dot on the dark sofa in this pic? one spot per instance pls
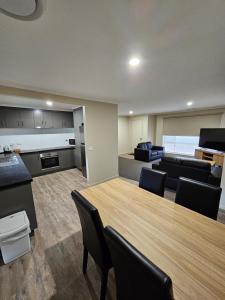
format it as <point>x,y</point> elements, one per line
<point>189,168</point>
<point>147,152</point>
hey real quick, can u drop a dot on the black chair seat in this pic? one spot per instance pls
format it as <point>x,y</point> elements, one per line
<point>198,196</point>
<point>137,278</point>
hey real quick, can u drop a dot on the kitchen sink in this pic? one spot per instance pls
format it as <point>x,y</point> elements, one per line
<point>8,161</point>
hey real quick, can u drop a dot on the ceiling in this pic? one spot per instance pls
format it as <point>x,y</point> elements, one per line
<point>81,48</point>
<point>18,101</point>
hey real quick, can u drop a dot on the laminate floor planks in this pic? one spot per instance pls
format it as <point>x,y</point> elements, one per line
<point>53,269</point>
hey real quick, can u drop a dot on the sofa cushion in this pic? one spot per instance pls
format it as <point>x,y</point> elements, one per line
<point>171,160</point>
<point>147,145</point>
<point>196,164</point>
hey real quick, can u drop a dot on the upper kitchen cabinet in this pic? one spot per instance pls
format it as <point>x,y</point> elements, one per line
<point>67,119</point>
<point>26,118</point>
<point>34,118</point>
<point>2,118</point>
<point>43,118</point>
<point>16,118</point>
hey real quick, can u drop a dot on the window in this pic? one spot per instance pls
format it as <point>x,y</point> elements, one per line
<point>180,144</point>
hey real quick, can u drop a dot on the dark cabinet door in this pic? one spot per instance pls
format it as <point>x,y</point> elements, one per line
<point>47,118</point>
<point>43,118</point>
<point>32,162</point>
<point>66,158</point>
<point>12,118</point>
<point>78,161</point>
<point>57,119</point>
<point>67,120</point>
<point>38,118</point>
<point>2,119</point>
<point>26,118</point>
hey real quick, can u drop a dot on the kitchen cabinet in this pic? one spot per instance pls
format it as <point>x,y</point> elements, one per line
<point>42,119</point>
<point>11,118</point>
<point>32,162</point>
<point>26,118</point>
<point>16,118</point>
<point>2,119</point>
<point>62,119</point>
<point>66,158</point>
<point>34,118</point>
<point>67,120</point>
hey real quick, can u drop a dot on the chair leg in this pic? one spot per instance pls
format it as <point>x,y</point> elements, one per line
<point>104,284</point>
<point>85,260</point>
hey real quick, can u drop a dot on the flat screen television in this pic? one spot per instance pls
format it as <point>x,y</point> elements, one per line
<point>212,138</point>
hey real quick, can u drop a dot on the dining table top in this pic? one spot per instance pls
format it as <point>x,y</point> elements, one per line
<point>189,247</point>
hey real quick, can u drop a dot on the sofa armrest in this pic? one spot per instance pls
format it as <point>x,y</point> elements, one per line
<point>158,148</point>
<point>214,180</point>
<point>142,154</point>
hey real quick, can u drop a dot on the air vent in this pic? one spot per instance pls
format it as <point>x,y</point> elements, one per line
<point>22,9</point>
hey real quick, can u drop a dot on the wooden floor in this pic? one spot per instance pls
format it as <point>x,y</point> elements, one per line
<point>53,269</point>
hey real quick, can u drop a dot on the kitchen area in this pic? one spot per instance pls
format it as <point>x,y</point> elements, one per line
<point>35,142</point>
<point>47,140</point>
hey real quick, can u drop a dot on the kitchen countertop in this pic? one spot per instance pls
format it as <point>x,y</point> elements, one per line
<point>48,149</point>
<point>14,174</point>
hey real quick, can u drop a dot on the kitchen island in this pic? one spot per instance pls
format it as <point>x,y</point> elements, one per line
<point>15,188</point>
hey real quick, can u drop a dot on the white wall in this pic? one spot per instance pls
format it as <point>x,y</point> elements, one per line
<point>151,128</point>
<point>101,131</point>
<point>138,130</point>
<point>124,145</point>
<point>36,141</point>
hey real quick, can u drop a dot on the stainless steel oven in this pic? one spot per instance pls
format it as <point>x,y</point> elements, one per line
<point>49,160</point>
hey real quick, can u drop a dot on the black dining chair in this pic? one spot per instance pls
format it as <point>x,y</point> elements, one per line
<point>153,181</point>
<point>93,238</point>
<point>137,278</point>
<point>198,196</point>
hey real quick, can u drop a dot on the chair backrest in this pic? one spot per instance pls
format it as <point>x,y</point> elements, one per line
<point>92,229</point>
<point>153,181</point>
<point>198,196</point>
<point>136,277</point>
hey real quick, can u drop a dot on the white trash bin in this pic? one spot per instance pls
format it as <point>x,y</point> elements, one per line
<point>14,236</point>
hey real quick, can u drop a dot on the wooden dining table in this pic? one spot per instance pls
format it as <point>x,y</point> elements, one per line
<point>188,246</point>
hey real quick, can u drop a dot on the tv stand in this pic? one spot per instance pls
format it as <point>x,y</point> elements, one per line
<point>210,155</point>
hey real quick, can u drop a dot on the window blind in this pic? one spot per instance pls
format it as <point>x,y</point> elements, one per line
<point>190,125</point>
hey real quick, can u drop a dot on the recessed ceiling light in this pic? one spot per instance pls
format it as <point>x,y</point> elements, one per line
<point>49,103</point>
<point>189,103</point>
<point>134,62</point>
<point>131,112</point>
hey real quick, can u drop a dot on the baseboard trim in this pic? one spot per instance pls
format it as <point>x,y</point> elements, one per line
<point>104,180</point>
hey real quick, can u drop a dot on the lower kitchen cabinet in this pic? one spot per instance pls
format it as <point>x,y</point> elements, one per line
<point>66,158</point>
<point>77,153</point>
<point>33,162</point>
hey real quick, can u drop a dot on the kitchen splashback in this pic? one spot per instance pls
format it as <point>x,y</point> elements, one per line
<point>36,141</point>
